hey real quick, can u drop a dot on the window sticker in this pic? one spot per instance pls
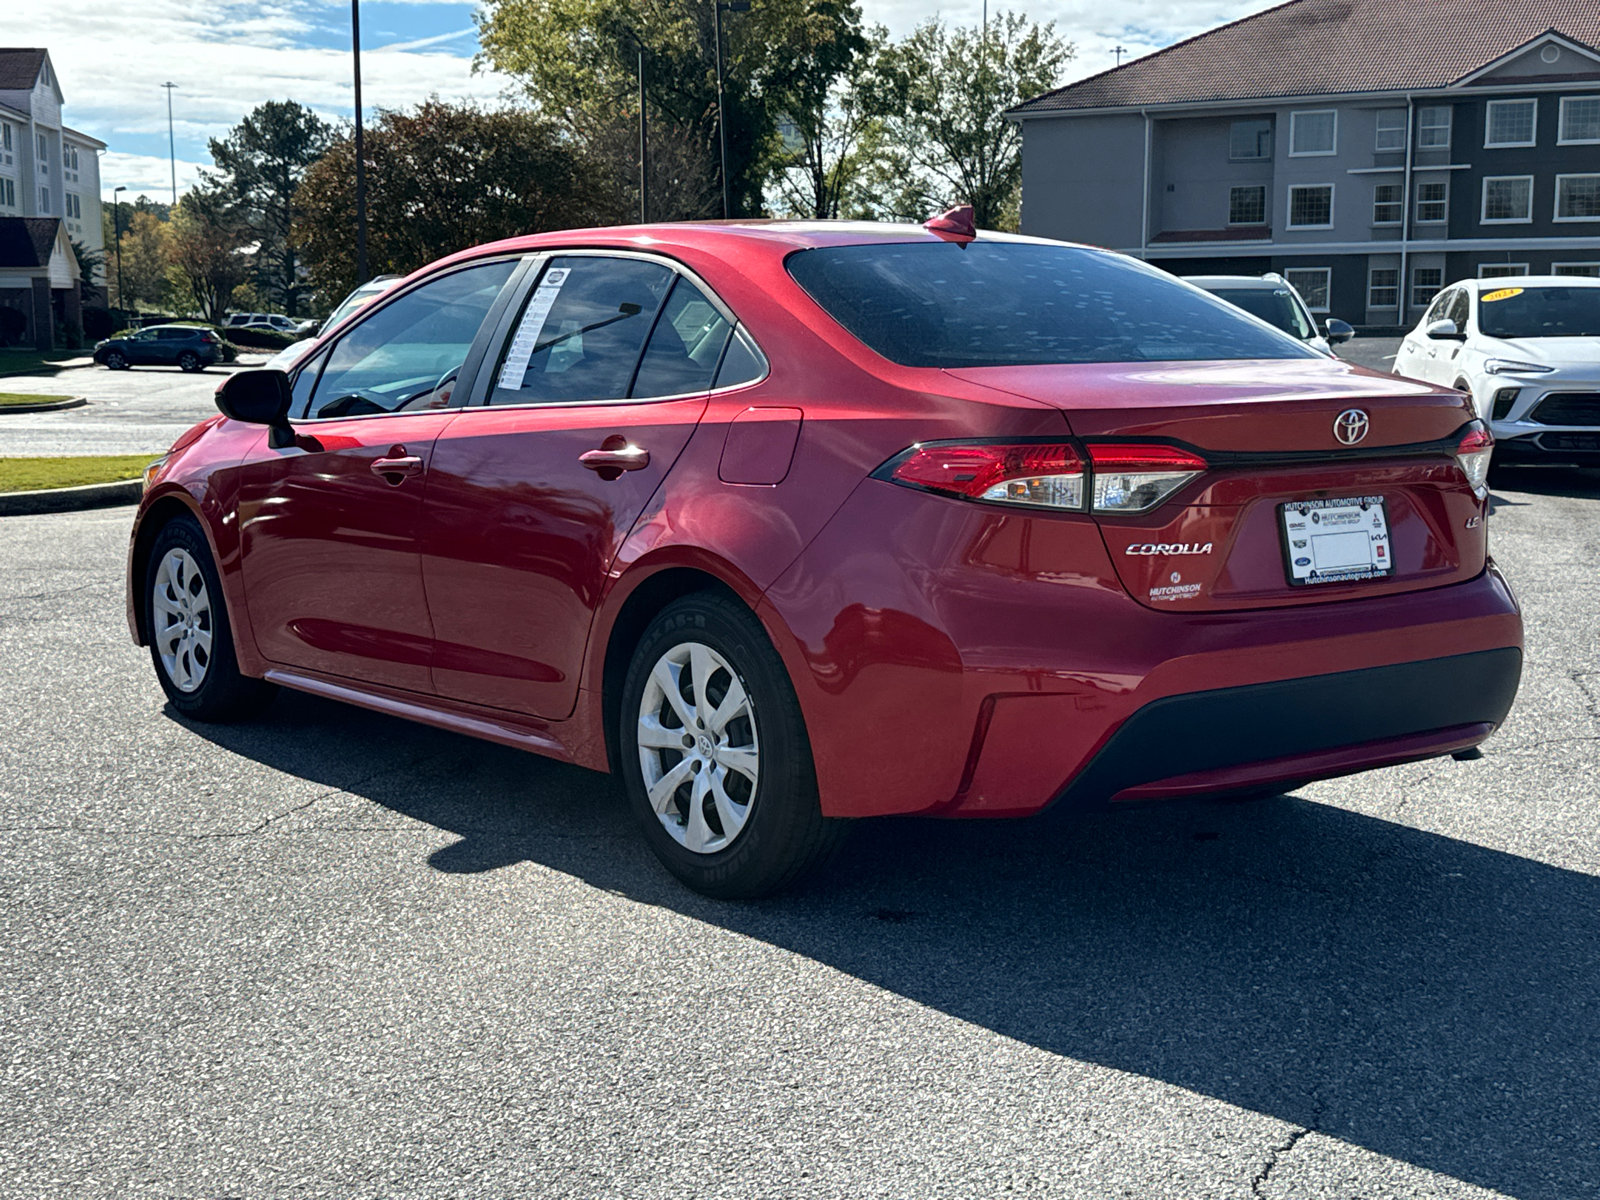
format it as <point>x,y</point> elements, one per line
<point>527,338</point>
<point>1500,294</point>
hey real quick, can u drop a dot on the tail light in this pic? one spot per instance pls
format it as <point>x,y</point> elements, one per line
<point>1474,452</point>
<point>1136,478</point>
<point>1040,475</point>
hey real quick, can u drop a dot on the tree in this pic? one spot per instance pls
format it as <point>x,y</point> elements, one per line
<point>578,61</point>
<point>818,164</point>
<point>144,260</point>
<point>440,179</point>
<point>205,249</point>
<point>942,97</point>
<point>260,165</point>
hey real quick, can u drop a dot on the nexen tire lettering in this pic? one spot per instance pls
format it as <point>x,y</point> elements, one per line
<point>1169,548</point>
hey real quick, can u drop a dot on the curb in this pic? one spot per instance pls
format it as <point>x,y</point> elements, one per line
<point>71,499</point>
<point>49,406</point>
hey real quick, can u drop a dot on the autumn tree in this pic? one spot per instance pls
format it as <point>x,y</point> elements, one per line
<point>206,249</point>
<point>440,178</point>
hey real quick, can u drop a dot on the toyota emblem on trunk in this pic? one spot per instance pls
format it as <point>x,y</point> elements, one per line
<point>1350,426</point>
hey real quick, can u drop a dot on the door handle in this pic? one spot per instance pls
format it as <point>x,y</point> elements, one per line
<point>616,455</point>
<point>396,470</point>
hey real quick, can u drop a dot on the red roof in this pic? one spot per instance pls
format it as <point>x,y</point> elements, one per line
<point>1327,47</point>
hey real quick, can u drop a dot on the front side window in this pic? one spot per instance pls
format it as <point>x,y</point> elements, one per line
<point>582,331</point>
<point>1425,285</point>
<point>1541,312</point>
<point>1459,309</point>
<point>1580,120</point>
<point>1391,129</point>
<point>996,303</point>
<point>1433,127</point>
<point>1250,141</point>
<point>1578,197</point>
<point>1508,200</point>
<point>1313,284</point>
<point>1311,206</point>
<point>405,356</point>
<point>1433,202</point>
<point>1247,205</point>
<point>1313,132</point>
<point>1383,287</point>
<point>1387,204</point>
<point>1437,310</point>
<point>1501,270</point>
<point>1510,123</point>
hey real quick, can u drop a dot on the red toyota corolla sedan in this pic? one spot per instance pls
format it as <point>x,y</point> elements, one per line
<point>796,522</point>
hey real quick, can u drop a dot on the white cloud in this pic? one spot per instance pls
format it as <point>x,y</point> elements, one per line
<point>145,174</point>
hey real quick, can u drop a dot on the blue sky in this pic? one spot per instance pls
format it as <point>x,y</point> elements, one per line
<point>226,56</point>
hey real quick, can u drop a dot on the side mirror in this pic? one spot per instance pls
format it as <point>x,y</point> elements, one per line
<point>260,397</point>
<point>1444,330</point>
<point>1339,331</point>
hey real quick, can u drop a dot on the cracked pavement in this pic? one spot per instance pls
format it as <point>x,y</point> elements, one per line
<point>333,954</point>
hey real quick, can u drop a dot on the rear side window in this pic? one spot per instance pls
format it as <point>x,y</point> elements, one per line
<point>685,347</point>
<point>998,304</point>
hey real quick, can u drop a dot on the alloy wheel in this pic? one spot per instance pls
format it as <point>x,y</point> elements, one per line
<point>180,612</point>
<point>698,748</point>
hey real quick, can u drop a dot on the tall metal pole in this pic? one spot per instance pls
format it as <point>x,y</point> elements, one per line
<point>361,163</point>
<point>722,120</point>
<point>644,148</point>
<point>172,145</point>
<point>116,225</point>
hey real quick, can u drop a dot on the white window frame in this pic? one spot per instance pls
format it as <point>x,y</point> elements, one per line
<point>1561,126</point>
<point>1556,211</point>
<point>44,151</point>
<point>1483,207</point>
<point>1395,288</point>
<point>1507,270</point>
<point>1327,285</point>
<point>1488,124</point>
<point>1294,119</point>
<point>1438,290</point>
<point>1239,187</point>
<point>1402,129</point>
<point>1288,216</point>
<point>1418,202</point>
<point>1399,205</point>
<point>8,185</point>
<point>1448,126</point>
<point>1594,267</point>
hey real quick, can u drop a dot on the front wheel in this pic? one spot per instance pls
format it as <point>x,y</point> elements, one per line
<point>191,641</point>
<point>715,756</point>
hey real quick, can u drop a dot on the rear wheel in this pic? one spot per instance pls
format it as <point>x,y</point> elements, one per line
<point>715,755</point>
<point>190,361</point>
<point>191,640</point>
<point>116,360</point>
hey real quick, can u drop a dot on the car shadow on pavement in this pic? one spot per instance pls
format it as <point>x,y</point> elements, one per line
<point>1574,482</point>
<point>1423,997</point>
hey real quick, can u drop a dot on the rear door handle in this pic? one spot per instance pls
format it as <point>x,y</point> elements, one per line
<point>394,470</point>
<point>614,457</point>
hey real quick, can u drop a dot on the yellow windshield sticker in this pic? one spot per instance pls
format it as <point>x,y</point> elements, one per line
<point>1501,294</point>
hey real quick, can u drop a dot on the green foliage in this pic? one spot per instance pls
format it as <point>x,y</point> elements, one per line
<point>204,253</point>
<point>440,179</point>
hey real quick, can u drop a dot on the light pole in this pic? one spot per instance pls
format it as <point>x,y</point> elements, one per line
<point>723,6</point>
<point>116,225</point>
<point>172,146</point>
<point>361,164</point>
<point>644,145</point>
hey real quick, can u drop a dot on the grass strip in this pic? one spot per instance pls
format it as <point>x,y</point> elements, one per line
<point>33,362</point>
<point>34,474</point>
<point>24,398</point>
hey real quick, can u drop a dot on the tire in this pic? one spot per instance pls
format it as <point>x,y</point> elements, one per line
<point>778,832</point>
<point>190,362</point>
<point>191,638</point>
<point>116,360</point>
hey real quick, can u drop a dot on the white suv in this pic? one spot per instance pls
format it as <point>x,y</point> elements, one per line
<point>1528,349</point>
<point>1273,299</point>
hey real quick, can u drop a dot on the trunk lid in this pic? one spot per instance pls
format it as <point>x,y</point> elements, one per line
<point>1267,431</point>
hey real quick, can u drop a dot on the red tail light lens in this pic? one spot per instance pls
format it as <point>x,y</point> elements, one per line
<point>1474,452</point>
<point>1044,475</point>
<point>1135,478</point>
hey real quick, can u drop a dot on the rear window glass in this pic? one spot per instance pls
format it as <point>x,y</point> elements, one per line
<point>995,304</point>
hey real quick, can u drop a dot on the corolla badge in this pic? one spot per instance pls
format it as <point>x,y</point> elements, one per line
<point>1351,426</point>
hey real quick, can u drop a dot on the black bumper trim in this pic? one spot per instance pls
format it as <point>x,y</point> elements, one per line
<point>1233,727</point>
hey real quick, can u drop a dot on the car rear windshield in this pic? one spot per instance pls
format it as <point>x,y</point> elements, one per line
<point>1535,312</point>
<point>1273,305</point>
<point>997,304</point>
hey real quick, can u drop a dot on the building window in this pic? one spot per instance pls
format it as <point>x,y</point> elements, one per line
<point>1250,141</point>
<point>1501,270</point>
<point>1433,202</point>
<point>1391,129</point>
<point>5,136</point>
<point>1425,285</point>
<point>1589,270</point>
<point>1313,132</point>
<point>1578,197</point>
<point>1508,200</point>
<point>1433,127</point>
<point>1580,121</point>
<point>1383,287</point>
<point>44,199</point>
<point>1510,123</point>
<point>44,151</point>
<point>1313,284</point>
<point>1247,205</point>
<point>1388,204</point>
<point>8,194</point>
<point>1311,206</point>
